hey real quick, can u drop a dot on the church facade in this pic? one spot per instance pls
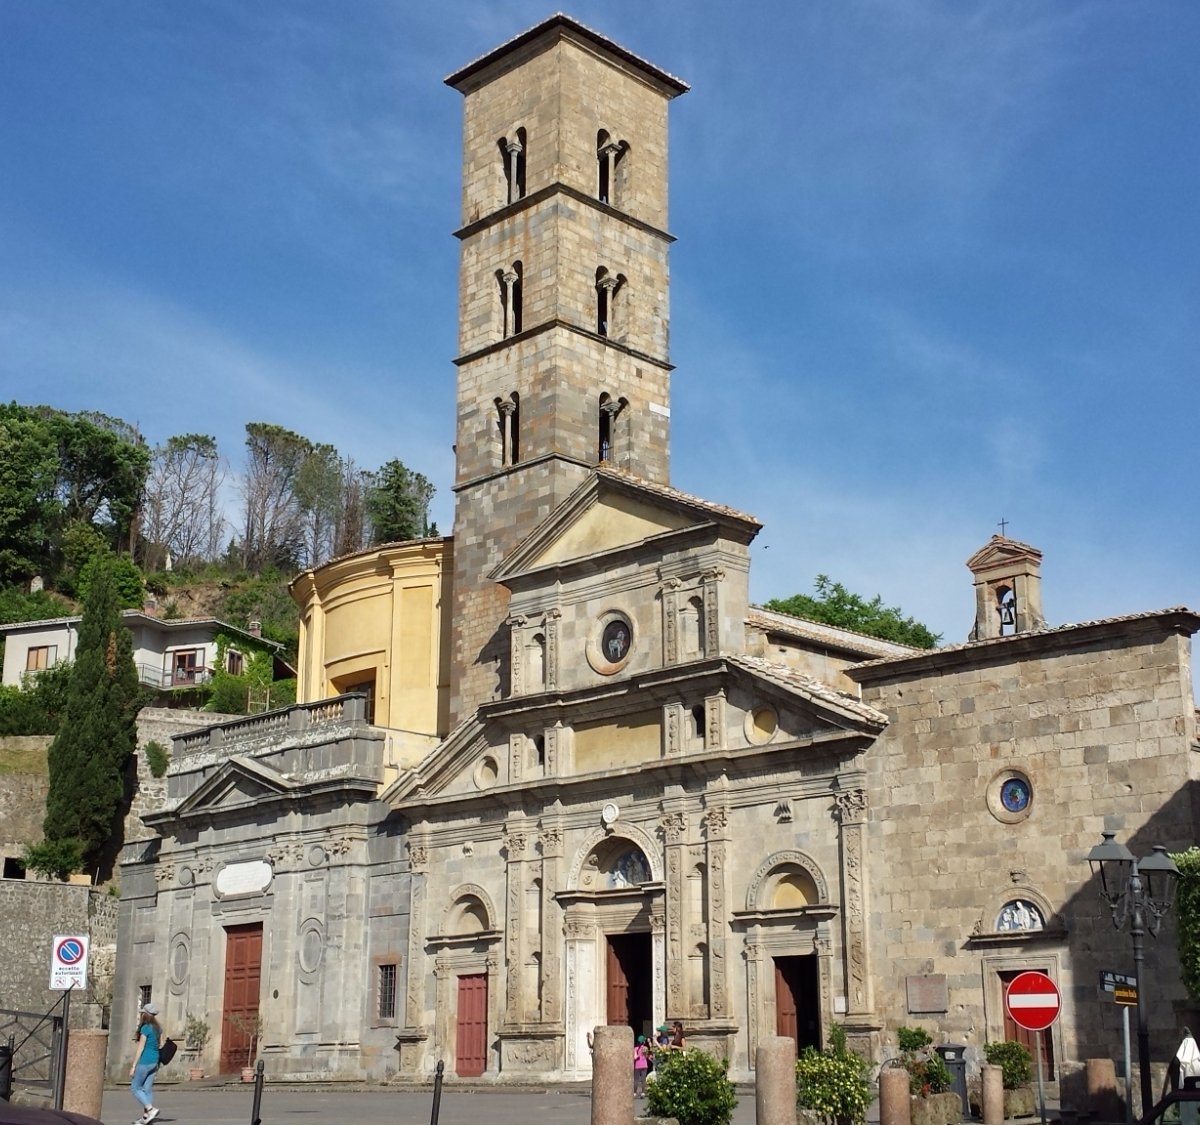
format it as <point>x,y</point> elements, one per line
<point>559,772</point>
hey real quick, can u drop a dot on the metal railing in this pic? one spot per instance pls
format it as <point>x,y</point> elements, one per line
<point>166,678</point>
<point>36,1040</point>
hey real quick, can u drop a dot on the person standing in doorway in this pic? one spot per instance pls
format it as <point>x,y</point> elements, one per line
<point>145,1063</point>
<point>641,1066</point>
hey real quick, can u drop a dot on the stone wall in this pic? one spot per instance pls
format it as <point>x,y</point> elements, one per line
<point>31,914</point>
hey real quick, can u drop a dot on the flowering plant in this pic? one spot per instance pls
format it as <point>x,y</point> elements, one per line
<point>833,1083</point>
<point>691,1086</point>
<point>927,1070</point>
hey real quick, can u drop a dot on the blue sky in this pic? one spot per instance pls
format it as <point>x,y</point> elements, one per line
<point>937,261</point>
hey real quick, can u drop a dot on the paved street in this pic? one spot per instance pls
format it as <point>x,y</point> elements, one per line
<point>230,1105</point>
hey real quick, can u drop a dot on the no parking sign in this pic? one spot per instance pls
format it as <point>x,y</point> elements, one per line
<point>68,961</point>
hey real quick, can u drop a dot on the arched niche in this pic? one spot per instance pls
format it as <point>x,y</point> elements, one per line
<point>470,911</point>
<point>786,881</point>
<point>603,850</point>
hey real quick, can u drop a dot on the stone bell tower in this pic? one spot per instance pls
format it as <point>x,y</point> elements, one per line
<point>563,283</point>
<point>1008,588</point>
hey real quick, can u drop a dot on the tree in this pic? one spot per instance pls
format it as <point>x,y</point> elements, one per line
<point>181,513</point>
<point>273,532</point>
<point>398,504</point>
<point>96,739</point>
<point>28,510</point>
<point>835,605</point>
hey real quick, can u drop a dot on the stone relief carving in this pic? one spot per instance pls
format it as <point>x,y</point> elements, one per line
<point>539,1055</point>
<point>675,956</point>
<point>516,756</point>
<point>551,671</point>
<point>712,620</point>
<point>780,859</point>
<point>418,854</point>
<point>673,826</point>
<point>672,728</point>
<point>855,917</point>
<point>718,990</point>
<point>716,820</point>
<point>851,805</point>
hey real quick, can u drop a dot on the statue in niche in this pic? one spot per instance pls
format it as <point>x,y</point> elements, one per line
<point>1019,915</point>
<point>629,870</point>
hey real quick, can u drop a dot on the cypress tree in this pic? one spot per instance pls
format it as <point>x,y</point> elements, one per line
<point>98,733</point>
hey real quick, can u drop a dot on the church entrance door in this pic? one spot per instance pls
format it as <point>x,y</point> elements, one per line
<point>243,976</point>
<point>470,1039</point>
<point>797,1011</point>
<point>630,999</point>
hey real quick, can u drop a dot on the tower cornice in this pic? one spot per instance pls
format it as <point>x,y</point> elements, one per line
<point>557,322</point>
<point>510,210</point>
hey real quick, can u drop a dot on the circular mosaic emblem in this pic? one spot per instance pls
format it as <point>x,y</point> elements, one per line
<point>610,644</point>
<point>1014,794</point>
<point>1010,796</point>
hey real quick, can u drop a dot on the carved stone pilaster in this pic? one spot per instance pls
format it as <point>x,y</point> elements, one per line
<point>414,1008</point>
<point>551,670</point>
<point>551,842</point>
<point>516,652</point>
<point>852,816</point>
<point>714,721</point>
<point>515,844</point>
<point>516,756</point>
<point>754,954</point>
<point>674,827</point>
<point>670,611</point>
<point>710,583</point>
<point>716,826</point>
<point>672,730</point>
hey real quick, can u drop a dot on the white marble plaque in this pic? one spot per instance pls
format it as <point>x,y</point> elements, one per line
<point>244,878</point>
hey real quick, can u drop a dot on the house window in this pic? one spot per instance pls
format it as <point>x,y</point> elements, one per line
<point>144,994</point>
<point>187,665</point>
<point>41,657</point>
<point>13,867</point>
<point>387,992</point>
<point>234,662</point>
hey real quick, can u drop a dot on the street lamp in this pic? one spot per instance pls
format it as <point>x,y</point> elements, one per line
<point>1139,891</point>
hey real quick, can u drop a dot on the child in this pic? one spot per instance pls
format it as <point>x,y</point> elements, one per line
<point>641,1064</point>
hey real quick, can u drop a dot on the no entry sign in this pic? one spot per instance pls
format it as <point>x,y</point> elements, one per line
<point>1032,1000</point>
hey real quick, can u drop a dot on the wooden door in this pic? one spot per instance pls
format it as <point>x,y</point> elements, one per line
<point>243,977</point>
<point>797,1010</point>
<point>470,1049</point>
<point>629,983</point>
<point>617,1010</point>
<point>1029,1039</point>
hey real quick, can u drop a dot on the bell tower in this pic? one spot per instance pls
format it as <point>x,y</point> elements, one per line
<point>1008,588</point>
<point>563,314</point>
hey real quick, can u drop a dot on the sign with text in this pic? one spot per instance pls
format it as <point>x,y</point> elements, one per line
<point>1110,982</point>
<point>68,961</point>
<point>1032,1001</point>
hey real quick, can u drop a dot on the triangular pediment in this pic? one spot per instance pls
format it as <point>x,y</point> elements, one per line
<point>613,511</point>
<point>239,781</point>
<point>1001,552</point>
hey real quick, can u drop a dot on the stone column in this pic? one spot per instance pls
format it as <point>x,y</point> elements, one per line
<point>515,846</point>
<point>993,1094</point>
<point>84,1088</point>
<point>852,816</point>
<point>516,654</point>
<point>669,593</point>
<point>895,1108</point>
<point>612,1076</point>
<point>775,1081</point>
<point>674,826</point>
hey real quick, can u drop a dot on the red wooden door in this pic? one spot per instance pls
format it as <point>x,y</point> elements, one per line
<point>470,1049</point>
<point>785,1003</point>
<point>617,1008</point>
<point>243,977</point>
<point>1030,1039</point>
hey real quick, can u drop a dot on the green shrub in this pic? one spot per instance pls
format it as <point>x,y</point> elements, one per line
<point>912,1038</point>
<point>1187,919</point>
<point>157,758</point>
<point>36,707</point>
<point>54,859</point>
<point>1014,1060</point>
<point>833,1083</point>
<point>691,1086</point>
<point>927,1070</point>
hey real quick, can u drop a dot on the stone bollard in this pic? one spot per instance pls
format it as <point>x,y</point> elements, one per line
<point>992,1094</point>
<point>84,1089</point>
<point>895,1108</point>
<point>612,1076</point>
<point>775,1081</point>
<point>1103,1100</point>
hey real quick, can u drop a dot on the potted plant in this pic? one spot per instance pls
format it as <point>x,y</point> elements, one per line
<point>196,1032</point>
<point>251,1024</point>
<point>929,1079</point>
<point>1015,1063</point>
<point>831,1085</point>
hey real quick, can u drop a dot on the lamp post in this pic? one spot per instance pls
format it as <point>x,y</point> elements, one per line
<point>1139,891</point>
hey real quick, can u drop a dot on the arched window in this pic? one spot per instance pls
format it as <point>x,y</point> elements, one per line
<point>512,156</point>
<point>608,167</point>
<point>508,422</point>
<point>604,288</point>
<point>698,721</point>
<point>691,631</point>
<point>509,283</point>
<point>604,450</point>
<point>536,661</point>
<point>1006,607</point>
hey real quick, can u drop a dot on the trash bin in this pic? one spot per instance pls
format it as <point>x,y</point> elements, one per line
<point>954,1055</point>
<point>6,1056</point>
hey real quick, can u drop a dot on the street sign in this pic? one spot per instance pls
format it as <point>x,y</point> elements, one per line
<point>1126,996</point>
<point>1110,982</point>
<point>1032,1001</point>
<point>68,961</point>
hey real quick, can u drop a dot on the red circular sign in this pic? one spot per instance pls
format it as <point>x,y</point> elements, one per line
<point>1032,1001</point>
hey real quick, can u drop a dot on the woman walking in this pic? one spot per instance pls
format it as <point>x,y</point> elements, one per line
<point>145,1063</point>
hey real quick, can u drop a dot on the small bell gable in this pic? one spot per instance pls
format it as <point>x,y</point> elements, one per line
<point>1008,588</point>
